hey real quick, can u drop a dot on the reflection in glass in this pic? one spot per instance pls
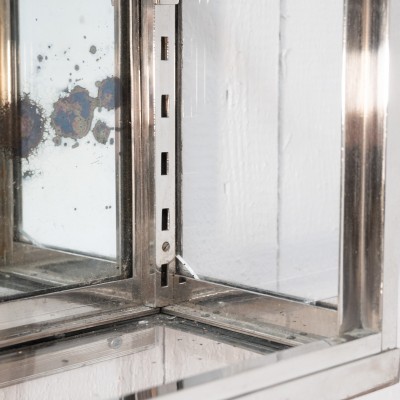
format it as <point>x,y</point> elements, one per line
<point>261,134</point>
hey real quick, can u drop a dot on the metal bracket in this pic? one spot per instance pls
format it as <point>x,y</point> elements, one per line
<point>164,92</point>
<point>158,130</point>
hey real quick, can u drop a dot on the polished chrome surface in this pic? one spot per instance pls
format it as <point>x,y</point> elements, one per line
<point>279,319</point>
<point>365,86</point>
<point>126,69</point>
<point>298,366</point>
<point>169,353</point>
<point>165,355</point>
<point>68,311</point>
<point>6,164</point>
<point>35,361</point>
<point>138,173</point>
<point>145,160</point>
<point>147,352</point>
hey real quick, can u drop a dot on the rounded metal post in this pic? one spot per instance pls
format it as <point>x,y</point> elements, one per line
<point>6,159</point>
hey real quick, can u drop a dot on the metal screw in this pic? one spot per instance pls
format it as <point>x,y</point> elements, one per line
<point>166,246</point>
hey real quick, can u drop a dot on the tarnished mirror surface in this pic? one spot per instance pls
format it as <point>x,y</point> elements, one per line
<point>68,96</point>
<point>66,146</point>
<point>261,143</point>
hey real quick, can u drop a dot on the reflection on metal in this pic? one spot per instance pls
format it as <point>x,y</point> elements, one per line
<point>128,123</point>
<point>158,349</point>
<point>145,161</point>
<point>284,321</point>
<point>6,100</point>
<point>41,360</point>
<point>365,83</point>
<point>70,310</point>
<point>281,370</point>
<point>185,269</point>
<point>44,270</point>
<point>36,361</point>
<point>158,118</point>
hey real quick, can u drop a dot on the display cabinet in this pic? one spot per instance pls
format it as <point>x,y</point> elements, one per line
<point>222,167</point>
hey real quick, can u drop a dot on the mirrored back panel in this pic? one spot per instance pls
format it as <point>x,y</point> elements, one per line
<point>63,165</point>
<point>261,144</point>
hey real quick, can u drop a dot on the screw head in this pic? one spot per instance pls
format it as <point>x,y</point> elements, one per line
<point>166,246</point>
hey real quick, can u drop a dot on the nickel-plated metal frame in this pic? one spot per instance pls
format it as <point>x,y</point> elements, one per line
<point>6,169</point>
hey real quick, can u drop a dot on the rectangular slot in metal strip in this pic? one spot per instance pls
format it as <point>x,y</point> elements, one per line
<point>164,163</point>
<point>164,137</point>
<point>164,48</point>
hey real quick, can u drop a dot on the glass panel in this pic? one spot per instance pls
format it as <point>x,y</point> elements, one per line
<point>261,134</point>
<point>67,146</point>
